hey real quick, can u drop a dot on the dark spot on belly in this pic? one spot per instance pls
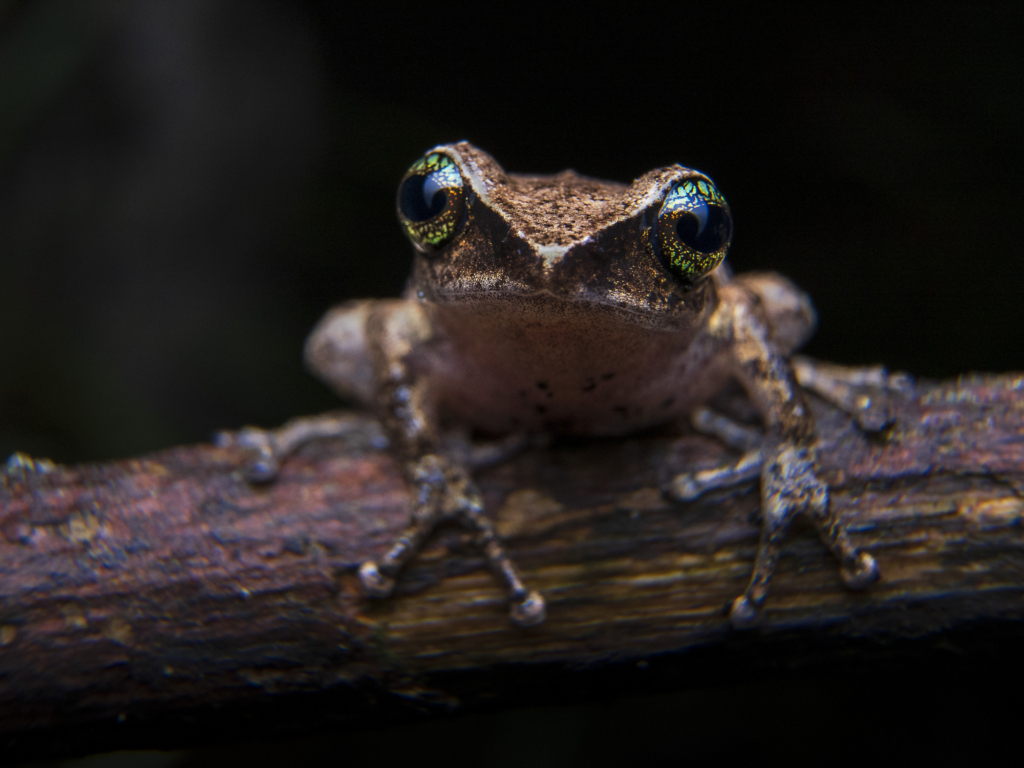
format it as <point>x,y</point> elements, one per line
<point>522,394</point>
<point>667,402</point>
<point>622,410</point>
<point>607,376</point>
<point>589,386</point>
<point>542,385</point>
<point>541,409</point>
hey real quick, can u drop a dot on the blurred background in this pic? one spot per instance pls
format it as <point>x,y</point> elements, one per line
<point>187,185</point>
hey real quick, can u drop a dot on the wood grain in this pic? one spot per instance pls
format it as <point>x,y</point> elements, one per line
<point>139,595</point>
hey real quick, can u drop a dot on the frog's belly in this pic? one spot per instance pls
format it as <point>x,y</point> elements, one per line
<point>596,376</point>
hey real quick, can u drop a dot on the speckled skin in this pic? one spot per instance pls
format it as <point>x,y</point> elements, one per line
<point>548,312</point>
<point>573,239</point>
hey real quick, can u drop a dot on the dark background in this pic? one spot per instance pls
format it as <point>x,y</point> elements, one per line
<point>186,186</point>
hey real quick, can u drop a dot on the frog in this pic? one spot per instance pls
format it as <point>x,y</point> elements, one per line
<point>567,305</point>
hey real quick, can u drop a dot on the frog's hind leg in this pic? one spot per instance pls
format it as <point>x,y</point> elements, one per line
<point>737,436</point>
<point>272,446</point>
<point>459,446</point>
<point>687,486</point>
<point>864,393</point>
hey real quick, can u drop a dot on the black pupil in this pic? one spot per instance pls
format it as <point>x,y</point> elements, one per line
<point>422,198</point>
<point>710,239</point>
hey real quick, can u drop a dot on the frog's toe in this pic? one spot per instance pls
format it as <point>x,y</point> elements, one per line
<point>876,419</point>
<point>743,614</point>
<point>264,466</point>
<point>262,470</point>
<point>374,582</point>
<point>684,487</point>
<point>863,573</point>
<point>530,611</point>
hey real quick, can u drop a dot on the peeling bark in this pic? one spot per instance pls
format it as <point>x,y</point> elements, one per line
<point>143,594</point>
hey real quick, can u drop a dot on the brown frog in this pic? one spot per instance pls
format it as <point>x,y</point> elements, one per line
<point>567,305</point>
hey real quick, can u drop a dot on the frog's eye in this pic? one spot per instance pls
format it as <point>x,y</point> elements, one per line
<point>692,229</point>
<point>432,202</point>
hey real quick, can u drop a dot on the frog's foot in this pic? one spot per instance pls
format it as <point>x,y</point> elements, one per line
<point>789,486</point>
<point>444,492</point>
<point>271,446</point>
<point>864,393</point>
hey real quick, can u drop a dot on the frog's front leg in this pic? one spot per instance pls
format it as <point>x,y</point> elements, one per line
<point>443,488</point>
<point>789,483</point>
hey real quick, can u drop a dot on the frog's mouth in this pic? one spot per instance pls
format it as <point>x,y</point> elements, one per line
<point>522,305</point>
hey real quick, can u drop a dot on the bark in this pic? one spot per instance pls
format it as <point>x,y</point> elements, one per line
<point>143,595</point>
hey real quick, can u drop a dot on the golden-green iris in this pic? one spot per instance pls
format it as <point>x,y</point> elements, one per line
<point>692,229</point>
<point>432,201</point>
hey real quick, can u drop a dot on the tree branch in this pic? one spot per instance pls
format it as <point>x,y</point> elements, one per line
<point>142,594</point>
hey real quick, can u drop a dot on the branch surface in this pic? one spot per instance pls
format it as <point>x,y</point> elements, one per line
<point>142,594</point>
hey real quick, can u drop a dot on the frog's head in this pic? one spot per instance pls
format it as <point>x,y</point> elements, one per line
<point>643,251</point>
